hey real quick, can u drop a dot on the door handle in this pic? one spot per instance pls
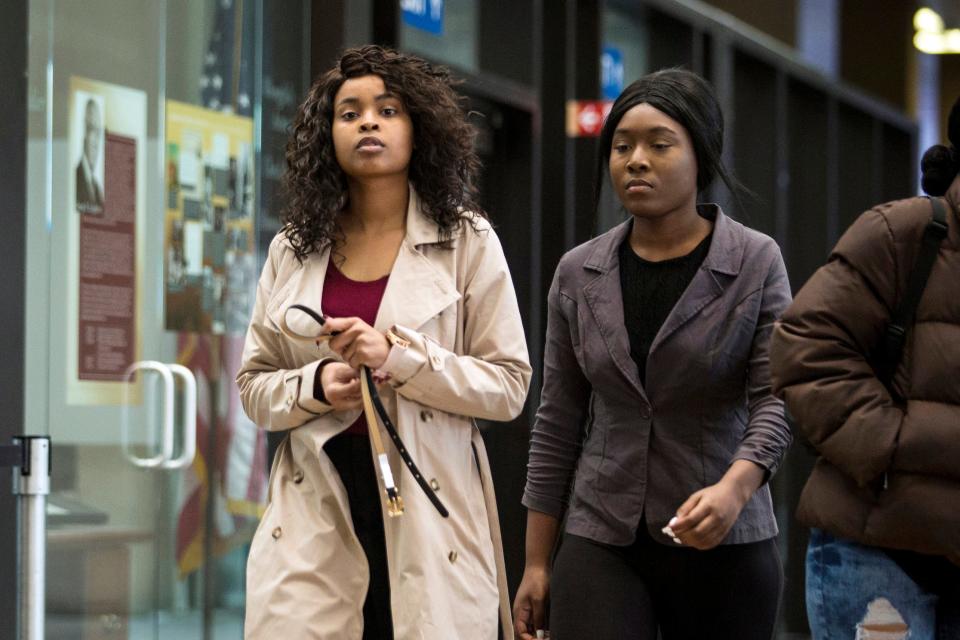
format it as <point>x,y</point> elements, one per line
<point>166,419</point>
<point>189,418</point>
<point>165,459</point>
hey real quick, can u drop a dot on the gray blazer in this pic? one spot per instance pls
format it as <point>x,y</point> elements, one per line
<point>604,449</point>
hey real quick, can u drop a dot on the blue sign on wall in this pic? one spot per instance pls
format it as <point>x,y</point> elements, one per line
<point>423,14</point>
<point>611,69</point>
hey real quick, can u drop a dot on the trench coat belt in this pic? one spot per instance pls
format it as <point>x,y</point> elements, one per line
<point>373,408</point>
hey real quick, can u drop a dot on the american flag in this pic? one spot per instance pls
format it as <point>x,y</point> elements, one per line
<point>234,475</point>
<point>226,83</point>
<point>240,485</point>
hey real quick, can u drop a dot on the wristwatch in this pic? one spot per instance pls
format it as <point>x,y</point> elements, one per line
<point>396,340</point>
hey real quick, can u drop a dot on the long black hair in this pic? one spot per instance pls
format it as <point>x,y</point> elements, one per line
<point>940,164</point>
<point>690,100</point>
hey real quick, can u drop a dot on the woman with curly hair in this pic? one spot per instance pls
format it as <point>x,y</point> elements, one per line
<point>385,238</point>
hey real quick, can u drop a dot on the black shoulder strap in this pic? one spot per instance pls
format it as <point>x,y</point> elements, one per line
<point>891,347</point>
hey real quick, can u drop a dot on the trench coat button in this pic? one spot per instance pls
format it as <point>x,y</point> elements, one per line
<point>434,484</point>
<point>298,476</point>
<point>426,416</point>
<point>277,533</point>
<point>435,360</point>
<point>290,401</point>
<point>452,557</point>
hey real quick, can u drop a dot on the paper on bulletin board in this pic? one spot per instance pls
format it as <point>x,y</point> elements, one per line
<point>106,186</point>
<point>210,267</point>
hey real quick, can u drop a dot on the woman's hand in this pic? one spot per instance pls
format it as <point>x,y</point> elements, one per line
<point>357,342</point>
<point>530,604</point>
<point>706,517</point>
<point>341,386</point>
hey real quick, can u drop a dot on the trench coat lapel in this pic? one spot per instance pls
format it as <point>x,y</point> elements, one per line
<point>303,286</point>
<point>604,297</point>
<point>723,259</point>
<point>417,289</point>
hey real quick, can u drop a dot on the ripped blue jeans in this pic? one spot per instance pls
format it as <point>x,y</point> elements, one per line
<point>858,592</point>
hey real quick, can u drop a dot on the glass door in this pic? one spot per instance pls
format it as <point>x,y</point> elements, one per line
<point>149,169</point>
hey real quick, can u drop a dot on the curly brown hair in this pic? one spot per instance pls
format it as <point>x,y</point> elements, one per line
<point>443,169</point>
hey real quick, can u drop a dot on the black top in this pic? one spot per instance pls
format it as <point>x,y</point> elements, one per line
<point>650,290</point>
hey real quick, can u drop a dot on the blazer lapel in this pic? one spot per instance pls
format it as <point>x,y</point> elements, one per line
<point>604,297</point>
<point>723,257</point>
<point>702,290</point>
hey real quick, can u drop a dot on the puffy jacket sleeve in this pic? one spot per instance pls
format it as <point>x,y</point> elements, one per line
<point>274,395</point>
<point>491,378</point>
<point>820,348</point>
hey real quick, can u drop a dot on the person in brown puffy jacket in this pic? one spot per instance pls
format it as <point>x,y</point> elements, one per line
<point>883,500</point>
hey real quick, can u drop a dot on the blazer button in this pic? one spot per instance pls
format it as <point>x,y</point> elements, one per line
<point>426,416</point>
<point>277,533</point>
<point>298,476</point>
<point>645,413</point>
<point>452,557</point>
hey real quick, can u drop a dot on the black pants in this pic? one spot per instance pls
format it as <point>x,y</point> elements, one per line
<point>605,592</point>
<point>351,456</point>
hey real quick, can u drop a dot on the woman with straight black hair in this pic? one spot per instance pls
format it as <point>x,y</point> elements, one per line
<point>657,430</point>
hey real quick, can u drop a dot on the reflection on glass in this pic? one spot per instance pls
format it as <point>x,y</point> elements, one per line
<point>455,45</point>
<point>145,552</point>
<point>625,31</point>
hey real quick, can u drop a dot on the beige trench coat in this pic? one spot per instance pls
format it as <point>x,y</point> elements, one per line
<point>307,575</point>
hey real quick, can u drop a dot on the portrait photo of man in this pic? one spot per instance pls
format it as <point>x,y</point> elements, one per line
<point>89,188</point>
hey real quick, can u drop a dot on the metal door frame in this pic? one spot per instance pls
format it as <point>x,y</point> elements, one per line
<point>13,206</point>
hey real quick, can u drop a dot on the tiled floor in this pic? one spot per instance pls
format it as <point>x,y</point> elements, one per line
<point>228,625</point>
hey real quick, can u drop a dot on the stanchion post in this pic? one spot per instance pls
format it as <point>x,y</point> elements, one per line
<point>31,485</point>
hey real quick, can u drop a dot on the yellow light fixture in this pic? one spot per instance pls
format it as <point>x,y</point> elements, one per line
<point>932,36</point>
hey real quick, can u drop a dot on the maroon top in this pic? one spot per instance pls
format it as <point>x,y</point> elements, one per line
<point>346,298</point>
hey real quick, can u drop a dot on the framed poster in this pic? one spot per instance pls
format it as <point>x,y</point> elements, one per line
<point>210,266</point>
<point>106,187</point>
